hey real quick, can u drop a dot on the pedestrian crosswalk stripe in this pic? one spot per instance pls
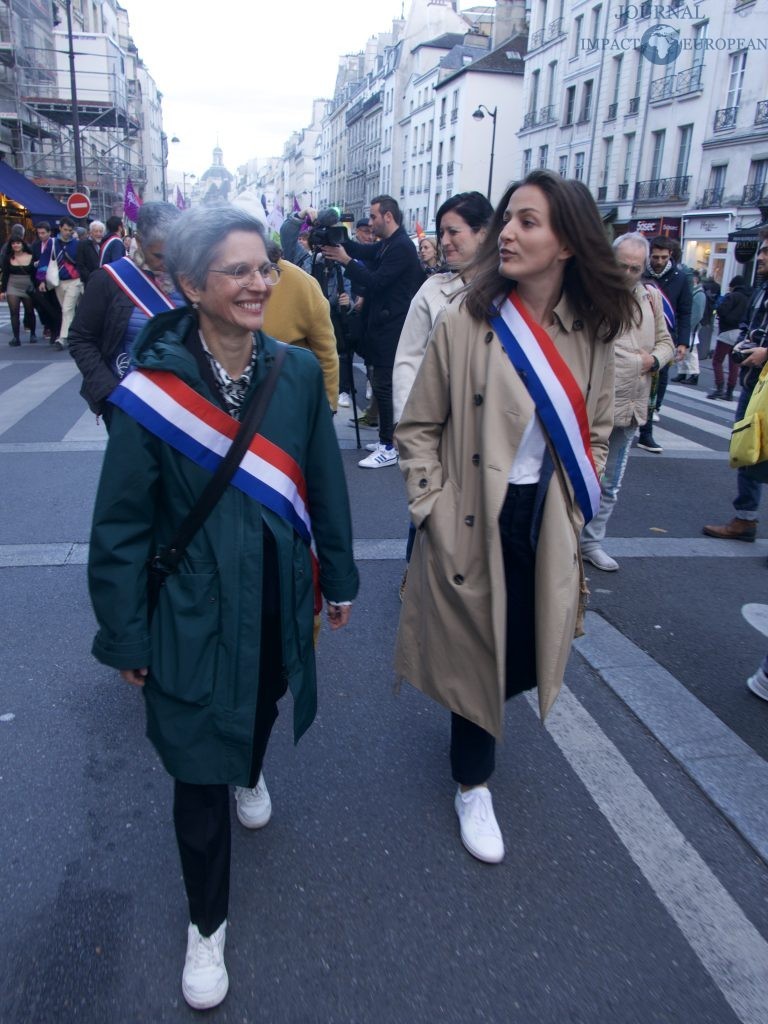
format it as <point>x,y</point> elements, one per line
<point>707,426</point>
<point>31,392</point>
<point>87,429</point>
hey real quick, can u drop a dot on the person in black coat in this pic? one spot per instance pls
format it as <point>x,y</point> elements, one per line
<point>731,313</point>
<point>390,273</point>
<point>88,251</point>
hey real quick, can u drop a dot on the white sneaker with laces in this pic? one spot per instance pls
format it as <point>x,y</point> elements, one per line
<point>254,807</point>
<point>373,446</point>
<point>758,684</point>
<point>383,456</point>
<point>656,418</point>
<point>368,392</point>
<point>204,980</point>
<point>480,832</point>
<point>600,560</point>
<point>344,400</point>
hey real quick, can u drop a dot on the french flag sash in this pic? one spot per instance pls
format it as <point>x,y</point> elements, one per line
<point>666,306</point>
<point>188,422</point>
<point>558,398</point>
<point>139,287</point>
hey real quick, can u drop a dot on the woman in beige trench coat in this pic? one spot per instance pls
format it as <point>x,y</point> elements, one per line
<point>494,582</point>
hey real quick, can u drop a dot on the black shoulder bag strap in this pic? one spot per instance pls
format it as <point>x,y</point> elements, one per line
<point>163,565</point>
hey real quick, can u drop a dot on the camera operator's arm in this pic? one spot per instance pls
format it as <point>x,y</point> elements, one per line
<point>757,357</point>
<point>389,269</point>
<point>289,233</point>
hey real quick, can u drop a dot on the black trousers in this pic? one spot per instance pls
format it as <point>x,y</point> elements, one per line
<point>201,813</point>
<point>473,750</point>
<point>381,385</point>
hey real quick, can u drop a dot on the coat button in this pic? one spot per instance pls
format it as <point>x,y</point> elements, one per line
<point>458,580</point>
<point>469,520</point>
<point>578,325</point>
<point>489,338</point>
<point>477,399</point>
<point>475,459</point>
<point>423,483</point>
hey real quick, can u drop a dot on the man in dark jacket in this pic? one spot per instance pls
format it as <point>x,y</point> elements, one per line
<point>113,247</point>
<point>88,250</point>
<point>390,276</point>
<point>731,314</point>
<point>675,284</point>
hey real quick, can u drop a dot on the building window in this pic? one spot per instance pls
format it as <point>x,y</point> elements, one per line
<point>658,153</point>
<point>533,99</point>
<point>578,172</point>
<point>527,161</point>
<point>586,101</point>
<point>617,63</point>
<point>551,85</point>
<point>699,42</point>
<point>596,12</point>
<point>607,158</point>
<point>562,166</point>
<point>758,172</point>
<point>629,150</point>
<point>543,155</point>
<point>736,79</point>
<point>684,152</point>
<point>578,24</point>
<point>570,103</point>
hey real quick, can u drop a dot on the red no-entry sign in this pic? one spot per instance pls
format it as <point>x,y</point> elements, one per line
<point>79,205</point>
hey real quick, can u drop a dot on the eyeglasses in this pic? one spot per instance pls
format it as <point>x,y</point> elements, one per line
<point>244,276</point>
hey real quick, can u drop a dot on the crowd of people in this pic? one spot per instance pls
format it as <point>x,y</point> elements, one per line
<point>512,360</point>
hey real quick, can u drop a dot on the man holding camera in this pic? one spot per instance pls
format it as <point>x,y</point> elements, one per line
<point>389,274</point>
<point>753,345</point>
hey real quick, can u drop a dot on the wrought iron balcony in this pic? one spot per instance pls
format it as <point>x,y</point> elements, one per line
<point>662,188</point>
<point>634,105</point>
<point>529,121</point>
<point>555,28</point>
<point>662,89</point>
<point>725,118</point>
<point>755,195</point>
<point>690,80</point>
<point>761,113</point>
<point>712,197</point>
<point>547,114</point>
<point>536,39</point>
<point>623,190</point>
<point>613,109</point>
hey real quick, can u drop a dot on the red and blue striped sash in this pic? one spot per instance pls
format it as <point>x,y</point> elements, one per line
<point>139,287</point>
<point>188,422</point>
<point>556,394</point>
<point>666,306</point>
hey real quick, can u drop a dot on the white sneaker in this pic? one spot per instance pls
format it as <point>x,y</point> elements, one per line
<point>480,832</point>
<point>656,418</point>
<point>758,684</point>
<point>368,392</point>
<point>373,446</point>
<point>382,456</point>
<point>600,560</point>
<point>254,807</point>
<point>344,400</point>
<point>204,980</point>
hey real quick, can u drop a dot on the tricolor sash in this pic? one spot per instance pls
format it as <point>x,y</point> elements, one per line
<point>188,422</point>
<point>666,305</point>
<point>139,287</point>
<point>558,398</point>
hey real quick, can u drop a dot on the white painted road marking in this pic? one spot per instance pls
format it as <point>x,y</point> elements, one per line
<point>757,616</point>
<point>31,392</point>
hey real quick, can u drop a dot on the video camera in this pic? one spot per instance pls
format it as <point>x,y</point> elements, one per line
<point>326,230</point>
<point>755,339</point>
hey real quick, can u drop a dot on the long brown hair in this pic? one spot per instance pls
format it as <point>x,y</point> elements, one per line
<point>593,282</point>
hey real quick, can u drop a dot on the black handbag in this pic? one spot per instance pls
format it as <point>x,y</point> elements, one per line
<point>167,561</point>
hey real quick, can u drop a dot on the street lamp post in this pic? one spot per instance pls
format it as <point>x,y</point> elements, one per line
<point>75,112</point>
<point>192,177</point>
<point>478,116</point>
<point>164,161</point>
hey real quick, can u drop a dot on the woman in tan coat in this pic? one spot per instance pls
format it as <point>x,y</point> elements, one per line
<point>498,486</point>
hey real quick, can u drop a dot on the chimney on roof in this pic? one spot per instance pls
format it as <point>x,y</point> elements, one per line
<point>509,19</point>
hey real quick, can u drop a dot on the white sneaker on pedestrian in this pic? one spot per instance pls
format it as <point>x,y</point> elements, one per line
<point>383,456</point>
<point>373,446</point>
<point>758,684</point>
<point>204,980</point>
<point>344,400</point>
<point>480,832</point>
<point>600,560</point>
<point>368,392</point>
<point>254,807</point>
<point>656,418</point>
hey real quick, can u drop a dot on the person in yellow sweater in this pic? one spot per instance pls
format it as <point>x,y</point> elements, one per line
<point>298,313</point>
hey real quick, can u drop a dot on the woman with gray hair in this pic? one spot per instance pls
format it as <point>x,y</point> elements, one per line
<point>232,628</point>
<point>119,300</point>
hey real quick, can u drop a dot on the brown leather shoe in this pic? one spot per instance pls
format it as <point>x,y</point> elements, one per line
<point>737,529</point>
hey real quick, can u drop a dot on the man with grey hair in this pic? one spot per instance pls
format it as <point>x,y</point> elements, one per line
<point>121,298</point>
<point>639,353</point>
<point>88,250</point>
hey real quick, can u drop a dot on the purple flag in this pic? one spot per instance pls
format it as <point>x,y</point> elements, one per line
<point>296,207</point>
<point>180,199</point>
<point>131,203</point>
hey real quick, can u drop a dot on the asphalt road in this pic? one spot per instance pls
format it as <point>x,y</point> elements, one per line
<point>634,886</point>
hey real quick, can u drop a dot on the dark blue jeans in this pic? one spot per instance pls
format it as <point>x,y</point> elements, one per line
<point>749,491</point>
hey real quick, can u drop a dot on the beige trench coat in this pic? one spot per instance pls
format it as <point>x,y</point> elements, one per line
<point>457,439</point>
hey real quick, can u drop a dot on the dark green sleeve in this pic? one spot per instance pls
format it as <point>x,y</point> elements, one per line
<point>122,539</point>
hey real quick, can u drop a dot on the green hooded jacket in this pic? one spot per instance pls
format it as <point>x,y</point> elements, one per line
<point>203,645</point>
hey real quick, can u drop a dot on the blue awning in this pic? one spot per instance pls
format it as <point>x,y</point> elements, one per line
<point>24,192</point>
